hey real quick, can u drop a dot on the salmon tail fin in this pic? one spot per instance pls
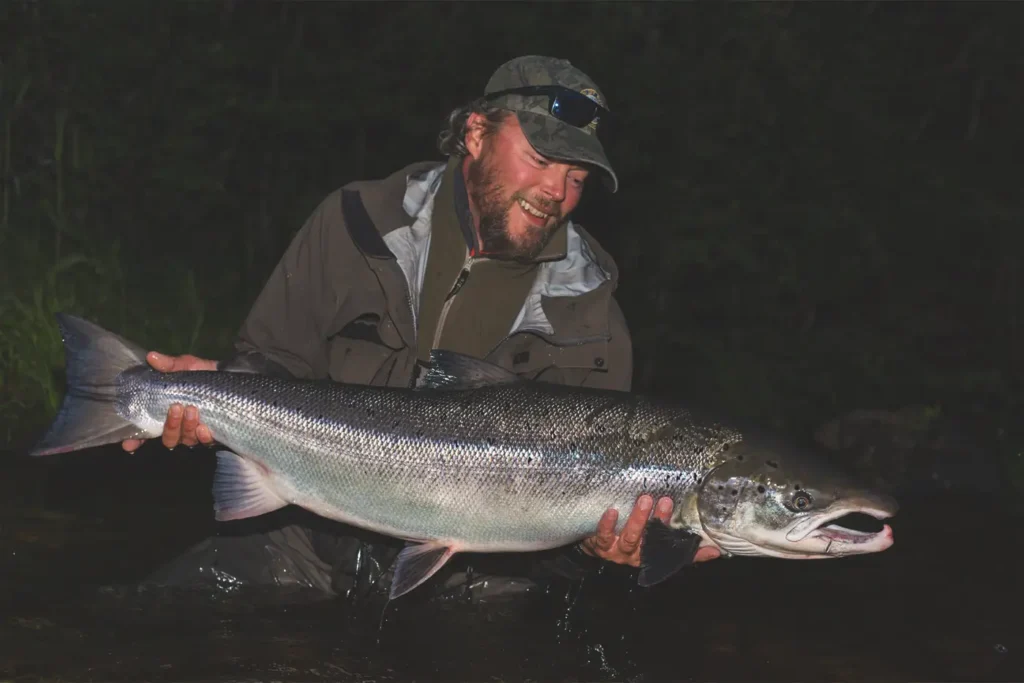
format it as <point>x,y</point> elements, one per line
<point>88,416</point>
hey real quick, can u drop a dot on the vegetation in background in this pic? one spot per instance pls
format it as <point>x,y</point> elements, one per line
<point>820,207</point>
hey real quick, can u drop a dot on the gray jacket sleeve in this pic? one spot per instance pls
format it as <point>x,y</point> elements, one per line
<point>296,312</point>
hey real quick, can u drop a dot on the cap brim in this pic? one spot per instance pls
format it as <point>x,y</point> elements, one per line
<point>558,140</point>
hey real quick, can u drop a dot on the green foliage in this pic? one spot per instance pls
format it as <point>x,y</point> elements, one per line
<point>820,205</point>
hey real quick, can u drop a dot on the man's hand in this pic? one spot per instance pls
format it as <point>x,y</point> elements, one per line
<point>182,425</point>
<point>625,548</point>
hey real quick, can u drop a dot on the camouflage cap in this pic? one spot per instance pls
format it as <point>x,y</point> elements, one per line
<point>548,135</point>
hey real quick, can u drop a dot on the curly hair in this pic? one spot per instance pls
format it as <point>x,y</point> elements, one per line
<point>452,138</point>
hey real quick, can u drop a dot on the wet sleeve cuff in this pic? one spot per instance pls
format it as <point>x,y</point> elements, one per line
<point>571,562</point>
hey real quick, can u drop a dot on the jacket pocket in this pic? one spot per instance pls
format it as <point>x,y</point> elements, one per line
<point>531,357</point>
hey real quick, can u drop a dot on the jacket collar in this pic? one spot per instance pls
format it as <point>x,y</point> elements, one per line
<point>569,300</point>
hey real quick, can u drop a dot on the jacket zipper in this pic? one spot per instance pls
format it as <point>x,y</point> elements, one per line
<point>448,300</point>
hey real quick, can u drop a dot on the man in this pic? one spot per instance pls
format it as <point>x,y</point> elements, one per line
<point>477,255</point>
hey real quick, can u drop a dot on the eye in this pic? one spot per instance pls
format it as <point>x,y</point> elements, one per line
<point>802,500</point>
<point>540,161</point>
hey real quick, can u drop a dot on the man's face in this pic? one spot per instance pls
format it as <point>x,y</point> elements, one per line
<point>509,184</point>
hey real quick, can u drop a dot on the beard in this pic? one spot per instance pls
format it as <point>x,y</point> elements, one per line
<point>496,241</point>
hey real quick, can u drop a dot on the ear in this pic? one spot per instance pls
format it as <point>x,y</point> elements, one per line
<point>475,126</point>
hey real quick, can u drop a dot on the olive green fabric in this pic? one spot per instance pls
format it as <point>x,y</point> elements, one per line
<point>446,258</point>
<point>335,307</point>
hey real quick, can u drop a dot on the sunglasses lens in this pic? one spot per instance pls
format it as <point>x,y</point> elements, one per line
<point>576,110</point>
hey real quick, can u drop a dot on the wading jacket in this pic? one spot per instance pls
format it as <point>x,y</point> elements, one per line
<point>381,272</point>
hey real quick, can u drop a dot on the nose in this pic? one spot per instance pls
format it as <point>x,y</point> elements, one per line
<point>553,185</point>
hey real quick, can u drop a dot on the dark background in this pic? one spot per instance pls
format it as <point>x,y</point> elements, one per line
<point>820,206</point>
<point>820,215</point>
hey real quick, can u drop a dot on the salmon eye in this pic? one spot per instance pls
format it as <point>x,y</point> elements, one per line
<point>801,500</point>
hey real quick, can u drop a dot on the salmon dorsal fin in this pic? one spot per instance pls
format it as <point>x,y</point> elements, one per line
<point>454,371</point>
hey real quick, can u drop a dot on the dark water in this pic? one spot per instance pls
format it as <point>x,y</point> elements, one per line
<point>943,604</point>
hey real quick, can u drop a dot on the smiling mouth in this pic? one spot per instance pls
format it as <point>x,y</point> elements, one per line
<point>531,210</point>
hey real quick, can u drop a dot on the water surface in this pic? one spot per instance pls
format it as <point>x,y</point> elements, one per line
<point>943,604</point>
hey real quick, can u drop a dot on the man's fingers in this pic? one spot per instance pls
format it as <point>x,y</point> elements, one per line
<point>606,526</point>
<point>203,364</point>
<point>706,553</point>
<point>172,427</point>
<point>188,426</point>
<point>605,537</point>
<point>165,363</point>
<point>664,509</point>
<point>204,435</point>
<point>182,425</point>
<point>629,540</point>
<point>185,363</point>
<point>602,541</point>
<point>160,362</point>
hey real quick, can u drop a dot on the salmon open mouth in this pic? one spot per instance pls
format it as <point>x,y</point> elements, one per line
<point>855,529</point>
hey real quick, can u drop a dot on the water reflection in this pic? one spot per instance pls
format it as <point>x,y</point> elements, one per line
<point>935,607</point>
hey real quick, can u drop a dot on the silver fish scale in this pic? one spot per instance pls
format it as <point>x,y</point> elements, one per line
<point>518,466</point>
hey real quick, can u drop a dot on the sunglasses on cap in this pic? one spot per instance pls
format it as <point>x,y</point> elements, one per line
<point>564,104</point>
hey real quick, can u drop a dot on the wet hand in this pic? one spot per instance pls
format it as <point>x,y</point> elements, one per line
<point>182,425</point>
<point>625,548</point>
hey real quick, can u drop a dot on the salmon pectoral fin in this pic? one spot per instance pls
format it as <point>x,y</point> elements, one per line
<point>417,563</point>
<point>240,489</point>
<point>664,552</point>
<point>458,372</point>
